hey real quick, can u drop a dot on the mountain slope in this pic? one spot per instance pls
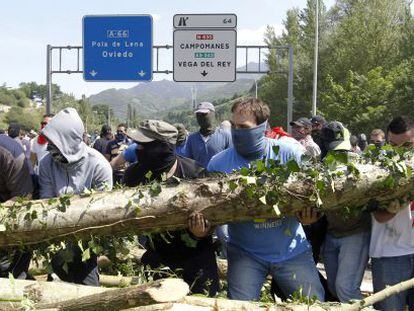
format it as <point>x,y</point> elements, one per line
<point>152,98</point>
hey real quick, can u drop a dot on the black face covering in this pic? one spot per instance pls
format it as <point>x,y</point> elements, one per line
<point>206,122</point>
<point>56,154</point>
<point>156,157</point>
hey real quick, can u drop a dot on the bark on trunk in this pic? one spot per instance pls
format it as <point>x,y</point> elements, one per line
<point>160,291</point>
<point>13,292</point>
<point>135,210</point>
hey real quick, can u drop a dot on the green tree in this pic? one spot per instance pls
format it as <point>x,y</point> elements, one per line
<point>27,119</point>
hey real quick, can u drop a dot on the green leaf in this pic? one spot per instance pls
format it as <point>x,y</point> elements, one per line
<point>34,215</point>
<point>86,254</point>
<point>320,185</point>
<point>244,171</point>
<point>261,166</point>
<point>263,200</point>
<point>188,240</point>
<point>232,185</point>
<point>389,182</point>
<point>293,166</point>
<point>148,175</point>
<point>276,149</point>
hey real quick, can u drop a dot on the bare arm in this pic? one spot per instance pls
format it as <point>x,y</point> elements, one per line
<point>383,216</point>
<point>118,161</point>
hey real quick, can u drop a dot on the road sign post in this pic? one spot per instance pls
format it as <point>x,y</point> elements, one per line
<point>205,48</point>
<point>117,48</point>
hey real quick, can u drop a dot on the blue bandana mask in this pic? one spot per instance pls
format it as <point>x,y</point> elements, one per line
<point>250,143</point>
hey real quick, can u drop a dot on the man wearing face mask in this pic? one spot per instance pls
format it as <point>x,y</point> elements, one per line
<point>71,167</point>
<point>301,131</point>
<point>208,141</point>
<point>115,147</point>
<point>258,248</point>
<point>190,250</point>
<point>377,138</point>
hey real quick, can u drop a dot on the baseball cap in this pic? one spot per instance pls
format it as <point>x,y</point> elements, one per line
<point>303,122</point>
<point>150,130</point>
<point>318,120</point>
<point>205,107</point>
<point>337,136</point>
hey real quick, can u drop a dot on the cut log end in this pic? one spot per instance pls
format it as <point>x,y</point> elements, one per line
<point>169,290</point>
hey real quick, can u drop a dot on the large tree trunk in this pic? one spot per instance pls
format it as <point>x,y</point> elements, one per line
<point>135,210</point>
<point>66,296</point>
<point>13,292</point>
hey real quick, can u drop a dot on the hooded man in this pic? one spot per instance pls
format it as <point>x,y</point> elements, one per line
<point>208,141</point>
<point>301,131</point>
<point>190,250</point>
<point>71,167</point>
<point>258,248</point>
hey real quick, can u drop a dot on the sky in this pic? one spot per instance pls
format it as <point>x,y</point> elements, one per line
<point>29,25</point>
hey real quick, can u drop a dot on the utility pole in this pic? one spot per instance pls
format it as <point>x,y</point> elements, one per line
<point>194,96</point>
<point>290,90</point>
<point>255,84</point>
<point>315,61</point>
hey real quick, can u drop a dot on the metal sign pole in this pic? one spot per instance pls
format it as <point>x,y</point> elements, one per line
<point>290,90</point>
<point>49,79</point>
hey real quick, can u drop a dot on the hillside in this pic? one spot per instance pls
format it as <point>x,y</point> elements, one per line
<point>152,98</point>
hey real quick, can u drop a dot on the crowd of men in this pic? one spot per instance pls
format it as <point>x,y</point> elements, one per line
<point>286,248</point>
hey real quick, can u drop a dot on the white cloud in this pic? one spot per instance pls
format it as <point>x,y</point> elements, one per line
<point>255,36</point>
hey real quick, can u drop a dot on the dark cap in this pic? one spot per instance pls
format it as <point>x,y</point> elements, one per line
<point>205,107</point>
<point>336,136</point>
<point>14,130</point>
<point>150,130</point>
<point>318,120</point>
<point>303,122</point>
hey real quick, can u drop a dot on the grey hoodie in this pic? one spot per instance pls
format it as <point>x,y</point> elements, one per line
<point>86,167</point>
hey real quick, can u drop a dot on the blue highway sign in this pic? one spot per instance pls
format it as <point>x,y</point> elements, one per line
<point>117,47</point>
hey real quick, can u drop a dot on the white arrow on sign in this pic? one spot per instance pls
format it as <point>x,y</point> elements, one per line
<point>141,73</point>
<point>93,73</point>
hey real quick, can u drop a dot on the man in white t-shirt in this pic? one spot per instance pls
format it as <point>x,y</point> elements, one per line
<point>38,144</point>
<point>392,237</point>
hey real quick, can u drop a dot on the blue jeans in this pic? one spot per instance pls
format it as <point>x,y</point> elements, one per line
<point>246,275</point>
<point>222,233</point>
<point>345,261</point>
<point>389,271</point>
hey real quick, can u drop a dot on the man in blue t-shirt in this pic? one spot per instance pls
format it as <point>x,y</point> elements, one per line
<point>274,246</point>
<point>201,146</point>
